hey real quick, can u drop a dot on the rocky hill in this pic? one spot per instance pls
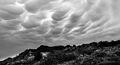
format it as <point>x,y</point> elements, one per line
<point>102,53</point>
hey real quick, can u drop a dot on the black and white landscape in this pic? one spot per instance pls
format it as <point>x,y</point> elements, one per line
<point>28,24</point>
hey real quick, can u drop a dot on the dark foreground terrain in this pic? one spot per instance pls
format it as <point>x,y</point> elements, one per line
<point>102,53</point>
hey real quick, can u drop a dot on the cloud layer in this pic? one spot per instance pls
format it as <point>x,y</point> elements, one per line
<point>41,21</point>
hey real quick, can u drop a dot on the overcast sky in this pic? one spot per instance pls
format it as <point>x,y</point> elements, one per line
<point>31,23</point>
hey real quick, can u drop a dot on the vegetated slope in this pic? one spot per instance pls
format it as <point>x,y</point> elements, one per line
<point>102,53</point>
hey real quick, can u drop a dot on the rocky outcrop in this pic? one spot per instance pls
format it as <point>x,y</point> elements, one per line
<point>102,53</point>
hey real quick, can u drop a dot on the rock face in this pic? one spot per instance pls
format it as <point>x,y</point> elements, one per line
<point>102,53</point>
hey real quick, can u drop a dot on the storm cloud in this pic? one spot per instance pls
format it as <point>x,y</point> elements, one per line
<point>30,23</point>
<point>46,21</point>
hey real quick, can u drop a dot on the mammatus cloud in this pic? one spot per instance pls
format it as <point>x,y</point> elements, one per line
<point>40,21</point>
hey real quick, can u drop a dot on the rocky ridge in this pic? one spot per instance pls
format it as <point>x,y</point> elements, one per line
<point>102,53</point>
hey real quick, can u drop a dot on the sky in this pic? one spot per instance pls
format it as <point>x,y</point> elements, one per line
<point>31,23</point>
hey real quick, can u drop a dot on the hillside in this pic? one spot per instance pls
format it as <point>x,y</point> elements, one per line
<point>102,53</point>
